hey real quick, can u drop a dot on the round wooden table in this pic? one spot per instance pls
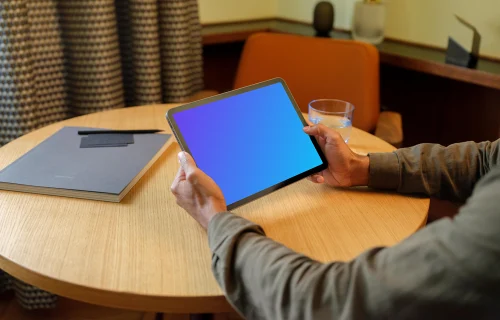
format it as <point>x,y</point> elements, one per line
<point>146,253</point>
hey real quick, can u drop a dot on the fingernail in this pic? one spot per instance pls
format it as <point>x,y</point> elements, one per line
<point>307,128</point>
<point>182,158</point>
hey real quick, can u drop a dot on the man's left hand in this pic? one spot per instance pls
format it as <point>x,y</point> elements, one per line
<point>196,192</point>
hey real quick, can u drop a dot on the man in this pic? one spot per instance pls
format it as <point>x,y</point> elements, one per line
<point>448,270</point>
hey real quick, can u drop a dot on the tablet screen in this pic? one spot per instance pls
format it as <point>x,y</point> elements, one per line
<point>248,142</point>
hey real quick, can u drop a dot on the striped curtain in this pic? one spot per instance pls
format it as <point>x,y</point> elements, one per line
<point>62,58</point>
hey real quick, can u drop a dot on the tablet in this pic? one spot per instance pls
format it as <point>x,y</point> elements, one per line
<point>250,141</point>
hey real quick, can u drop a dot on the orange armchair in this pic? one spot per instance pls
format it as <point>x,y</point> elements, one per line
<point>318,68</point>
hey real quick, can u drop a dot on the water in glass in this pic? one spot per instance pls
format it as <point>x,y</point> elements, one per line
<point>340,124</point>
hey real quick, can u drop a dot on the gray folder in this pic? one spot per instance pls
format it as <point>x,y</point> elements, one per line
<point>58,166</point>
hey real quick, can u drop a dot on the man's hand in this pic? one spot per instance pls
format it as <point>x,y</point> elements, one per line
<point>196,192</point>
<point>345,168</point>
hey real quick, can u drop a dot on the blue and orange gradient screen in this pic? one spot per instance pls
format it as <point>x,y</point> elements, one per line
<point>248,142</point>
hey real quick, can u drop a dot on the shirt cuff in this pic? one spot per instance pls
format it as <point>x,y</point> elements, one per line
<point>384,171</point>
<point>225,228</point>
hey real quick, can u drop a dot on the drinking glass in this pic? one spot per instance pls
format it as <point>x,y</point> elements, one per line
<point>335,114</point>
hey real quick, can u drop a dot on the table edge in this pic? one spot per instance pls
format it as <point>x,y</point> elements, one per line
<point>121,299</point>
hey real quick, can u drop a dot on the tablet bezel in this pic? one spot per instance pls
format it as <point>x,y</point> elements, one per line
<point>199,103</point>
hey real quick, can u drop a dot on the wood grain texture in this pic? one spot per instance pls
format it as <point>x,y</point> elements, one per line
<point>230,36</point>
<point>235,31</point>
<point>146,254</point>
<point>393,52</point>
<point>452,111</point>
<point>479,77</point>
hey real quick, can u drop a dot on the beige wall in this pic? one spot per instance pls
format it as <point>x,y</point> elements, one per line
<point>423,21</point>
<point>233,10</point>
<point>432,21</point>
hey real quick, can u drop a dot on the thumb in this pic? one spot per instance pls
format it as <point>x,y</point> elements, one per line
<point>316,130</point>
<point>187,162</point>
<point>322,131</point>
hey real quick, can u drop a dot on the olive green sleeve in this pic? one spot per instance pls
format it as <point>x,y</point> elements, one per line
<point>445,172</point>
<point>448,270</point>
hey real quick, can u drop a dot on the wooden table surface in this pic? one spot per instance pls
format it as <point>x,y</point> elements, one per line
<point>145,253</point>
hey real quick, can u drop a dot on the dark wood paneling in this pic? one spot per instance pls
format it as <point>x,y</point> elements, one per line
<point>392,52</point>
<point>229,37</point>
<point>483,78</point>
<point>434,109</point>
<point>440,110</point>
<point>440,103</point>
<point>220,63</point>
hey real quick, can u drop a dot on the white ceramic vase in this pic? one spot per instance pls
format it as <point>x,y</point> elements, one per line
<point>368,22</point>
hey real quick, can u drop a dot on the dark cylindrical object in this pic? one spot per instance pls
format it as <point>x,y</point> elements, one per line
<point>324,15</point>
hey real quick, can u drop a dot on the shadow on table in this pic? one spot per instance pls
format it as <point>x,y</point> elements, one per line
<point>439,209</point>
<point>145,180</point>
<point>380,191</point>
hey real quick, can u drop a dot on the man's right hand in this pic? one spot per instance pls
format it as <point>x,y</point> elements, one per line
<point>345,168</point>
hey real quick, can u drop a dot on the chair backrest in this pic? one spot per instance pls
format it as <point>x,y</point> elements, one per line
<point>316,68</point>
